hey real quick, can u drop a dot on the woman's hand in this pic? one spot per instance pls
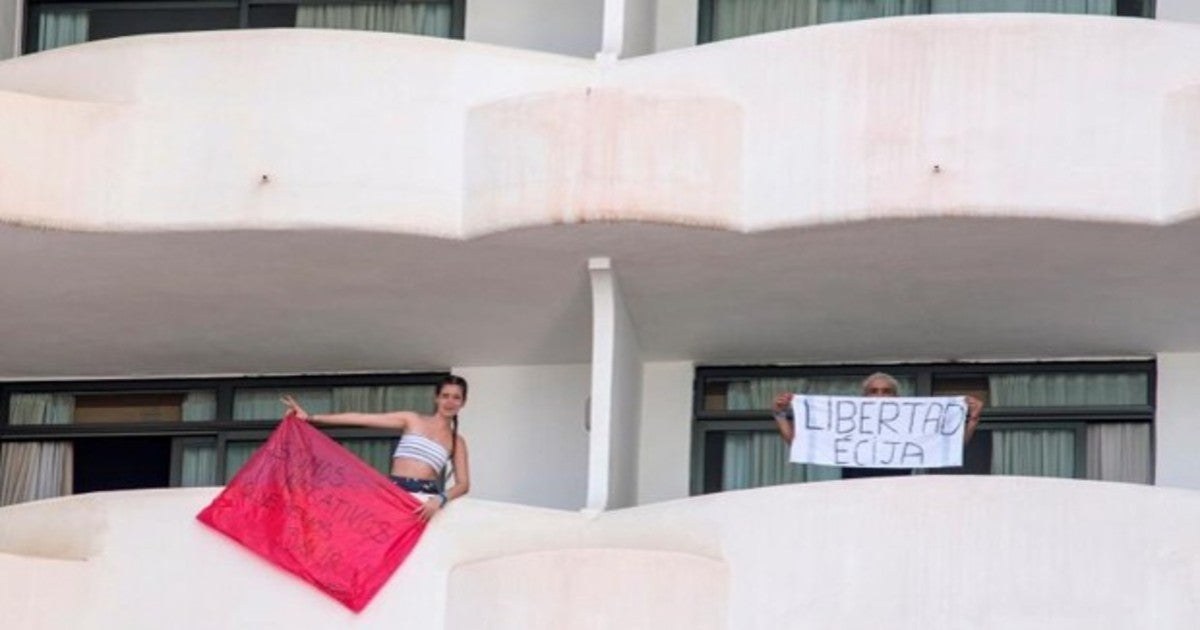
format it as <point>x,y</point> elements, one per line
<point>426,510</point>
<point>295,408</point>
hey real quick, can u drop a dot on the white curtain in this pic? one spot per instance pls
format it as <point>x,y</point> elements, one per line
<point>37,470</point>
<point>61,28</point>
<point>1119,452</point>
<point>1034,453</point>
<point>417,18</point>
<point>1068,390</point>
<point>759,393</point>
<point>735,18</point>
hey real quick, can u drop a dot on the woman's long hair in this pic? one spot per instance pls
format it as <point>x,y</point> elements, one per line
<point>450,379</point>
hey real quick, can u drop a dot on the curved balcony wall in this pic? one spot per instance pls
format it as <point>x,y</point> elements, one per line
<point>917,552</point>
<point>1061,117</point>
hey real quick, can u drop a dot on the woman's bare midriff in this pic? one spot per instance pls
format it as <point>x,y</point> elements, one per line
<point>413,469</point>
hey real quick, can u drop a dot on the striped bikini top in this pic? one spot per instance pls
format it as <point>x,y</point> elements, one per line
<point>422,449</point>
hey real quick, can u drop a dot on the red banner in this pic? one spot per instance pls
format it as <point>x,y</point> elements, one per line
<point>313,508</point>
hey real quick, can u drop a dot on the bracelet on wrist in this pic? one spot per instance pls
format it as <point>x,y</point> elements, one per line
<point>444,498</point>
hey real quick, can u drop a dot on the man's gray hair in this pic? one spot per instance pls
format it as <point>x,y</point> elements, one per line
<point>881,376</point>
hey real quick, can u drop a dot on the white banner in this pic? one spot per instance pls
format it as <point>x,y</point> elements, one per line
<point>879,432</point>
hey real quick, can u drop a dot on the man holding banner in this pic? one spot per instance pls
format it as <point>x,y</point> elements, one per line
<point>868,437</point>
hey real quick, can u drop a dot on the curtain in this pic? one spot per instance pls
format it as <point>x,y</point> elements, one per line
<point>1119,452</point>
<point>61,28</point>
<point>237,454</point>
<point>759,458</point>
<point>416,18</point>
<point>37,470</point>
<point>1068,390</point>
<point>199,466</point>
<point>263,404</point>
<point>735,18</point>
<point>377,453</point>
<point>1092,7</point>
<point>200,406</point>
<point>759,394</point>
<point>1035,453</point>
<point>417,398</point>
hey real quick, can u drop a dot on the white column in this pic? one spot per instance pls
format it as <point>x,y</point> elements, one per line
<point>1177,420</point>
<point>628,29</point>
<point>10,28</point>
<point>616,395</point>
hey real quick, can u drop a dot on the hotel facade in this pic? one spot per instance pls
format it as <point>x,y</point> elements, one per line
<point>628,224</point>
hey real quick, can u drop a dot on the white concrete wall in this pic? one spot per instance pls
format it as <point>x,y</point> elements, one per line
<point>927,552</point>
<point>676,24</point>
<point>566,28</point>
<point>1178,10</point>
<point>10,28</point>
<point>664,442</point>
<point>525,426</point>
<point>1177,420</point>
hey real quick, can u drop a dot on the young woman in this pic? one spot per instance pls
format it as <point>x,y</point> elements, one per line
<point>427,445</point>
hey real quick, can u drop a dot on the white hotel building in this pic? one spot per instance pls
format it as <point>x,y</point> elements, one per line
<point>628,223</point>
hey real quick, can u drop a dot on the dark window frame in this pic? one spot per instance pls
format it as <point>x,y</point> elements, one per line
<point>706,8</point>
<point>458,11</point>
<point>707,422</point>
<point>220,431</point>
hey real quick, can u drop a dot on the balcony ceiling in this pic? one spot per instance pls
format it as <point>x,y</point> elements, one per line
<point>157,304</point>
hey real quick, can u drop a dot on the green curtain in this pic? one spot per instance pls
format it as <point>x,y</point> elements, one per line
<point>759,394</point>
<point>61,28</point>
<point>417,398</point>
<point>199,465</point>
<point>1120,452</point>
<point>377,453</point>
<point>200,406</point>
<point>263,404</point>
<point>1088,7</point>
<point>237,454</point>
<point>759,458</point>
<point>1068,390</point>
<point>1034,453</point>
<point>416,18</point>
<point>37,470</point>
<point>735,18</point>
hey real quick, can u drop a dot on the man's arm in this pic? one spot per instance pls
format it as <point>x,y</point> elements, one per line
<point>974,408</point>
<point>787,430</point>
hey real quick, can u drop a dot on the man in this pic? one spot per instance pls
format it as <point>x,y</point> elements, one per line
<point>876,385</point>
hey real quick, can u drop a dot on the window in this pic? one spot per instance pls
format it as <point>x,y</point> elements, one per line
<point>55,23</point>
<point>67,438</point>
<point>1080,420</point>
<point>725,19</point>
